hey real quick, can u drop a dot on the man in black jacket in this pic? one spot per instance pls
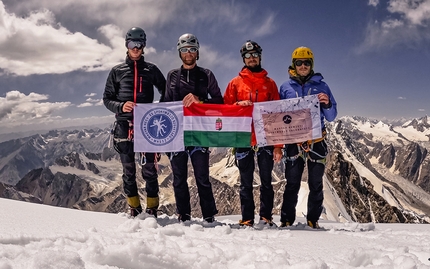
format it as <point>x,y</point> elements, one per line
<point>129,83</point>
<point>192,84</point>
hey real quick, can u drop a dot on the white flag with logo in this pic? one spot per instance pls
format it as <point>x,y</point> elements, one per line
<point>158,127</point>
<point>287,121</point>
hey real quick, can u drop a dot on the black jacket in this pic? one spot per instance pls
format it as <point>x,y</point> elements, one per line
<point>132,81</point>
<point>206,85</point>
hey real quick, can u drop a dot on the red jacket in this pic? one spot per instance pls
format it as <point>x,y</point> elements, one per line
<point>256,87</point>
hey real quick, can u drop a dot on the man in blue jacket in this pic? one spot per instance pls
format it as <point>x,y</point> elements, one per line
<point>304,81</point>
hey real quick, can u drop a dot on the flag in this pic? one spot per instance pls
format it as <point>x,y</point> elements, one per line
<point>158,127</point>
<point>287,121</point>
<point>217,125</point>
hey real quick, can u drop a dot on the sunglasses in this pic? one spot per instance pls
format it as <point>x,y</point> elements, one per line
<point>305,62</point>
<point>185,50</point>
<point>131,44</point>
<point>254,54</point>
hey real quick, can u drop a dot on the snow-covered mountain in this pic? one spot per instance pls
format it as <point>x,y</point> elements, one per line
<point>377,171</point>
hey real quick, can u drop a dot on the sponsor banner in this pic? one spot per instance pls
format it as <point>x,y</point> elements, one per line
<point>287,121</point>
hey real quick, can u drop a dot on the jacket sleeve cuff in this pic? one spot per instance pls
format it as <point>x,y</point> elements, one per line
<point>326,106</point>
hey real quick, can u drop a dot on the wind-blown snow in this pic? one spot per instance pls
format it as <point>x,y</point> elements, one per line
<point>40,236</point>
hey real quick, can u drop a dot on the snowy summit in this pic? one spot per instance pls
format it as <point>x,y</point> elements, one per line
<point>41,236</point>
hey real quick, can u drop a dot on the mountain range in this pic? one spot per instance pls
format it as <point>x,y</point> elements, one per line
<point>376,171</point>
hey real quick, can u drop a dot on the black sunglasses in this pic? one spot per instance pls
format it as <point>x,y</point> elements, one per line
<point>305,62</point>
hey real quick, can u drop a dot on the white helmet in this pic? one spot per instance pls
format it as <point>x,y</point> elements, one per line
<point>188,40</point>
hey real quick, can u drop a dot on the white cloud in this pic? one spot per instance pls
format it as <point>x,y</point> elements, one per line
<point>52,48</point>
<point>91,100</point>
<point>414,12</point>
<point>18,109</point>
<point>45,46</point>
<point>401,98</point>
<point>87,104</point>
<point>407,25</point>
<point>267,27</point>
<point>421,110</point>
<point>20,112</point>
<point>90,94</point>
<point>373,3</point>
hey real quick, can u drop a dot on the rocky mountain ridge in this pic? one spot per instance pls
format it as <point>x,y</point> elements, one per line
<point>376,171</point>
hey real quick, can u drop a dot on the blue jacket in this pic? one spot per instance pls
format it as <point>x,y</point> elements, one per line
<point>293,88</point>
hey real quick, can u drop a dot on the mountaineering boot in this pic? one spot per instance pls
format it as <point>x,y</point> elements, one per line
<point>134,211</point>
<point>184,217</point>
<point>313,224</point>
<point>209,219</point>
<point>266,221</point>
<point>152,204</point>
<point>285,224</point>
<point>134,206</point>
<point>249,223</point>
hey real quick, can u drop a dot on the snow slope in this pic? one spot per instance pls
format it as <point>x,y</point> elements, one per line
<point>40,236</point>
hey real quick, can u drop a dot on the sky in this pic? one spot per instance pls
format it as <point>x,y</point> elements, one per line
<point>55,55</point>
<point>47,237</point>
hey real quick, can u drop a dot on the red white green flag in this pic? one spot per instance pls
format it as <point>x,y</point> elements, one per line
<point>217,125</point>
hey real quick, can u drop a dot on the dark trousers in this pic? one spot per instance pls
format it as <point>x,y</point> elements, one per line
<point>149,174</point>
<point>200,161</point>
<point>293,174</point>
<point>246,165</point>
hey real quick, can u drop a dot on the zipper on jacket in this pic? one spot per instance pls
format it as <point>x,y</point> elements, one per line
<point>135,81</point>
<point>140,85</point>
<point>256,96</point>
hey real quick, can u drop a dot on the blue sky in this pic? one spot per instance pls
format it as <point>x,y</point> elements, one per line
<point>55,55</point>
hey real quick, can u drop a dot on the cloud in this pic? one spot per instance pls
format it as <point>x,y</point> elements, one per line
<point>267,27</point>
<point>17,108</point>
<point>414,12</point>
<point>401,98</point>
<point>407,25</point>
<point>45,47</point>
<point>421,110</point>
<point>94,40</point>
<point>373,3</point>
<point>87,104</point>
<point>90,94</point>
<point>21,112</point>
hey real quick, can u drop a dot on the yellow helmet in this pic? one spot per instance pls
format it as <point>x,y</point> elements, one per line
<point>303,53</point>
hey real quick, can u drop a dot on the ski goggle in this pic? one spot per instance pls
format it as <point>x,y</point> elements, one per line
<point>131,44</point>
<point>185,50</point>
<point>253,54</point>
<point>301,62</point>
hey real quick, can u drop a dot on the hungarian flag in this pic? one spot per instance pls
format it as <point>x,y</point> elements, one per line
<point>217,125</point>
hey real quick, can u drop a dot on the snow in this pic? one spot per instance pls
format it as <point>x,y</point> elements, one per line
<point>412,134</point>
<point>40,236</point>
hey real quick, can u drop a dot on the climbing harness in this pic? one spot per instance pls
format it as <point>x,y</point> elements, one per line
<point>304,150</point>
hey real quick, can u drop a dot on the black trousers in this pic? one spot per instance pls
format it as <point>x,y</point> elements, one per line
<point>246,164</point>
<point>149,174</point>
<point>200,162</point>
<point>125,149</point>
<point>293,174</point>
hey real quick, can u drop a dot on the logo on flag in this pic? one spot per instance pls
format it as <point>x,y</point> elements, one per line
<point>159,126</point>
<point>218,124</point>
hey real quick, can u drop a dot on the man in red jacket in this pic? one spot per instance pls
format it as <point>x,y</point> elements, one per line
<point>253,85</point>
